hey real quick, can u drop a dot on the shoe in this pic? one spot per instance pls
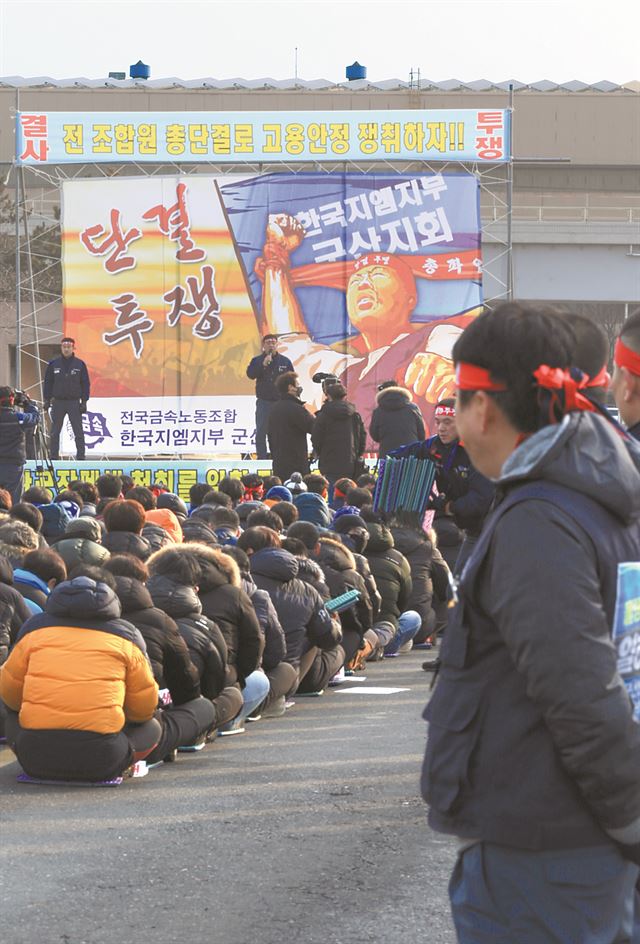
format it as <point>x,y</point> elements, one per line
<point>190,748</point>
<point>253,717</point>
<point>310,694</point>
<point>289,703</point>
<point>431,665</point>
<point>423,645</point>
<point>171,757</point>
<point>391,655</point>
<point>338,678</point>
<point>406,647</point>
<point>277,709</point>
<point>232,727</point>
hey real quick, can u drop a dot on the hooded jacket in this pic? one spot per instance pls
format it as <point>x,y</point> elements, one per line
<point>289,424</point>
<point>225,602</point>
<point>126,542</point>
<point>339,438</point>
<point>164,518</point>
<point>340,571</point>
<point>532,741</point>
<point>391,572</point>
<point>13,609</point>
<point>396,420</point>
<point>168,654</point>
<point>203,640</point>
<point>314,508</point>
<point>81,544</point>
<point>299,606</point>
<point>79,666</point>
<point>197,530</point>
<point>275,644</point>
<point>31,587</point>
<point>17,539</point>
<point>418,550</point>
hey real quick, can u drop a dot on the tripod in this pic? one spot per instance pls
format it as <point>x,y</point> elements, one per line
<point>41,454</point>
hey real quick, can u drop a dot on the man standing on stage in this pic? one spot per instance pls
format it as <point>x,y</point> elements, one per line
<point>265,370</point>
<point>66,391</point>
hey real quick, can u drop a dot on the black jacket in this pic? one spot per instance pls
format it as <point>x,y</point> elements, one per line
<point>168,655</point>
<point>125,542</point>
<point>418,550</point>
<point>339,438</point>
<point>196,529</point>
<point>391,571</point>
<point>66,378</point>
<point>225,602</point>
<point>341,574</point>
<point>289,423</point>
<point>13,423</point>
<point>299,607</point>
<point>265,377</point>
<point>532,742</point>
<point>13,610</point>
<point>395,420</point>
<point>275,645</point>
<point>200,636</point>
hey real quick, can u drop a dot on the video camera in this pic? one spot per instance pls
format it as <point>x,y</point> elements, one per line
<point>20,398</point>
<point>327,380</point>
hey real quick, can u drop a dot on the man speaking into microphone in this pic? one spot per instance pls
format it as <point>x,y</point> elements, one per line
<point>265,370</point>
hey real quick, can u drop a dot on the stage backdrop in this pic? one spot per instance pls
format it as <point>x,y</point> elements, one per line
<point>170,282</point>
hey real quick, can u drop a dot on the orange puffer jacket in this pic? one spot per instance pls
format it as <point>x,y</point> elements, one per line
<point>78,666</point>
<point>167,520</point>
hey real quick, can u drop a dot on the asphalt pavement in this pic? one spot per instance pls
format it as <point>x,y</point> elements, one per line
<point>307,829</point>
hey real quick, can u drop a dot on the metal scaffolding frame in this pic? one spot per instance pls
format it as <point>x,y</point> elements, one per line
<point>495,180</point>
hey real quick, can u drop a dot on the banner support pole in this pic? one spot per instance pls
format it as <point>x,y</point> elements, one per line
<point>510,201</point>
<point>18,367</point>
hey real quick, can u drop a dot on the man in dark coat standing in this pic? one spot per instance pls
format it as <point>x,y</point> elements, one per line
<point>66,391</point>
<point>14,423</point>
<point>289,424</point>
<point>265,370</point>
<point>339,437</point>
<point>396,420</point>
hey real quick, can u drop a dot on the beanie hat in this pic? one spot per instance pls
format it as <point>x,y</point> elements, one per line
<point>348,522</point>
<point>295,484</point>
<point>280,493</point>
<point>346,510</point>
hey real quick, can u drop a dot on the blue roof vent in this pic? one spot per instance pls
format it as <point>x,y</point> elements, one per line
<point>356,71</point>
<point>139,70</point>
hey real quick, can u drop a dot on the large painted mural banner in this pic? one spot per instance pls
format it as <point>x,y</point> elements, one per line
<point>169,284</point>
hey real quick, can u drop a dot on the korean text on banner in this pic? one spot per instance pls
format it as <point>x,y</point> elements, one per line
<point>465,134</point>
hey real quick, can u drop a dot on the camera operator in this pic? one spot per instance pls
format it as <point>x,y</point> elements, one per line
<point>66,391</point>
<point>339,437</point>
<point>17,414</point>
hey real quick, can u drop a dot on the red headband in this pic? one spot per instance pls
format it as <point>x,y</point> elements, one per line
<point>472,377</point>
<point>445,411</point>
<point>602,379</point>
<point>555,378</point>
<point>625,357</point>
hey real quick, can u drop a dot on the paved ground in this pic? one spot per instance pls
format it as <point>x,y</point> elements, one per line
<point>305,829</point>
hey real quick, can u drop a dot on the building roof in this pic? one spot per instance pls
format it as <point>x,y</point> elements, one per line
<point>314,85</point>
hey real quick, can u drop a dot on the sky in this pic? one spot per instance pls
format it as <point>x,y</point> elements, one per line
<point>525,40</point>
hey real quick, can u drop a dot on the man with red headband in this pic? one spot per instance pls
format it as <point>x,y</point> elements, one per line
<point>13,424</point>
<point>626,376</point>
<point>533,753</point>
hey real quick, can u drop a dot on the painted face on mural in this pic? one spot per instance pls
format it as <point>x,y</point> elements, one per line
<point>377,294</point>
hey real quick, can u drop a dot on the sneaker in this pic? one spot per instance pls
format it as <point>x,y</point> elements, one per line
<point>253,717</point>
<point>289,703</point>
<point>391,655</point>
<point>310,694</point>
<point>406,647</point>
<point>232,727</point>
<point>191,748</point>
<point>277,709</point>
<point>338,678</point>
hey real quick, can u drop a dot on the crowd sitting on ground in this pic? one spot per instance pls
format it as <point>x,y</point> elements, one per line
<point>134,627</point>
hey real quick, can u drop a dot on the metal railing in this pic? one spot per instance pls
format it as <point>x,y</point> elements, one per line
<point>563,214</point>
